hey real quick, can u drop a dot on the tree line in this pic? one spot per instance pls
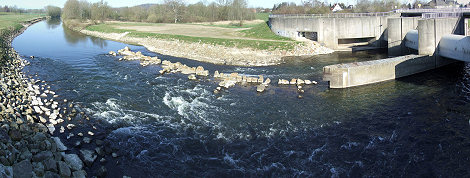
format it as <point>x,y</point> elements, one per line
<point>170,11</point>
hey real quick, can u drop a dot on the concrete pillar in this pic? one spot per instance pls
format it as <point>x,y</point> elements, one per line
<point>394,37</point>
<point>329,33</point>
<point>426,37</point>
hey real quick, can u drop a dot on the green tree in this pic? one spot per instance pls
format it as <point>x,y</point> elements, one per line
<point>53,11</point>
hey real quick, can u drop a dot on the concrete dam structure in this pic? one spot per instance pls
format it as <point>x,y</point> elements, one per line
<point>334,29</point>
<point>416,42</point>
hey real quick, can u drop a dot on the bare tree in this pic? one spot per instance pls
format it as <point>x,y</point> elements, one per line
<point>176,7</point>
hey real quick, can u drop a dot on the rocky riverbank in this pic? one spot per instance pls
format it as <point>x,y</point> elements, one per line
<point>215,54</point>
<point>28,116</point>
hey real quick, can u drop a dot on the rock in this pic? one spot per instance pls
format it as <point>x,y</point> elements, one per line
<point>79,174</point>
<point>216,74</point>
<point>88,156</point>
<point>37,109</point>
<point>15,135</point>
<point>300,82</point>
<point>50,174</point>
<point>23,169</point>
<point>43,95</point>
<point>114,155</point>
<point>112,53</point>
<point>99,151</point>
<point>293,81</point>
<point>73,161</point>
<point>42,119</point>
<point>261,88</point>
<point>80,134</point>
<point>102,171</point>
<point>308,82</point>
<point>86,139</point>
<point>50,165</point>
<point>99,142</point>
<point>38,169</point>
<point>261,79</point>
<point>62,129</point>
<point>267,82</point>
<point>51,128</point>
<point>227,83</point>
<point>6,171</point>
<point>64,169</point>
<point>41,156</point>
<point>192,77</point>
<point>60,145</point>
<point>70,126</point>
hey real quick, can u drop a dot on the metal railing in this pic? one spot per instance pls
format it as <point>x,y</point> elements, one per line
<point>426,13</point>
<point>432,10</point>
<point>441,15</point>
<point>335,15</point>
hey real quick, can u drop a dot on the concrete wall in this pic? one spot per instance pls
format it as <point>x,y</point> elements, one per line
<point>430,32</point>
<point>397,30</point>
<point>331,29</point>
<point>363,73</point>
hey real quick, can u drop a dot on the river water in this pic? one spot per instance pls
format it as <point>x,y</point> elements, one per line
<point>171,126</point>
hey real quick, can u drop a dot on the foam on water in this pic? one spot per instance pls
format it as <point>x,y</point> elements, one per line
<point>113,112</point>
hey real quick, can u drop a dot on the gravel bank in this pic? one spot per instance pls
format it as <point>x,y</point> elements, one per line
<point>216,54</point>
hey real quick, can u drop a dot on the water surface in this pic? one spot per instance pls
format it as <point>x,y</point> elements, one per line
<point>171,126</point>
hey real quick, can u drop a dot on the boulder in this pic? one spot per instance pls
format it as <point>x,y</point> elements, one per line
<point>192,77</point>
<point>261,88</point>
<point>89,156</point>
<point>79,174</point>
<point>60,145</point>
<point>267,81</point>
<point>260,79</point>
<point>6,171</point>
<point>41,156</point>
<point>64,169</point>
<point>50,165</point>
<point>216,74</point>
<point>293,81</point>
<point>73,161</point>
<point>23,169</point>
<point>308,82</point>
<point>300,82</point>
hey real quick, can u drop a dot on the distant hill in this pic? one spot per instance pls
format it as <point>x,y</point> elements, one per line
<point>145,6</point>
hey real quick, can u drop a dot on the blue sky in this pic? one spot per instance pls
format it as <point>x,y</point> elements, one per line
<point>34,4</point>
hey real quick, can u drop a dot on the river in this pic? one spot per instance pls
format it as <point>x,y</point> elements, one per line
<point>162,126</point>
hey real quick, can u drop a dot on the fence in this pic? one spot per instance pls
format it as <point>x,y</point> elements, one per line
<point>333,15</point>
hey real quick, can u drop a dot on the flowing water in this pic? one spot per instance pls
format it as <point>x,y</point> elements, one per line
<point>171,126</point>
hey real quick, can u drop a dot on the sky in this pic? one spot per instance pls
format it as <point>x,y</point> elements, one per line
<point>37,4</point>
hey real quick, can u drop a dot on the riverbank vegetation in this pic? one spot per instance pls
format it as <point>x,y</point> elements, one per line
<point>53,11</point>
<point>170,11</point>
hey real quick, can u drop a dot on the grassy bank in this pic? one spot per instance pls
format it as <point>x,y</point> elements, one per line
<point>12,21</point>
<point>254,35</point>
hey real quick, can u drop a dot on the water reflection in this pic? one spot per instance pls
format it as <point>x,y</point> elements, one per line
<point>53,23</point>
<point>73,37</point>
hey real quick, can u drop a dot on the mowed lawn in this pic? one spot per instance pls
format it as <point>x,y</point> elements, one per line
<point>14,20</point>
<point>252,34</point>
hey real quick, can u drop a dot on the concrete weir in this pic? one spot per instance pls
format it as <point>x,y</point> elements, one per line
<point>368,72</point>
